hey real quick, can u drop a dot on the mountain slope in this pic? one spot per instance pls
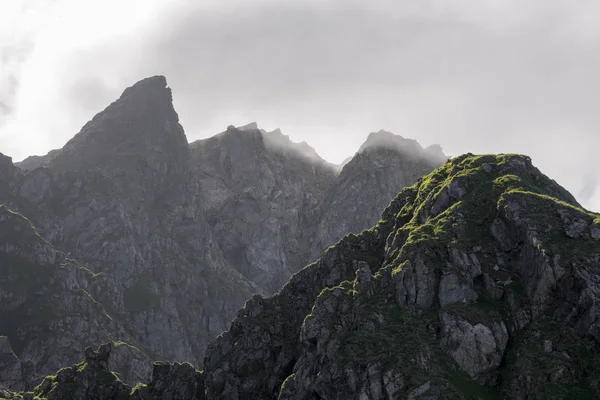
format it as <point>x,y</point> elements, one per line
<point>182,235</point>
<point>384,165</point>
<point>120,198</point>
<point>484,260</point>
<point>479,282</point>
<point>260,199</point>
<point>50,306</point>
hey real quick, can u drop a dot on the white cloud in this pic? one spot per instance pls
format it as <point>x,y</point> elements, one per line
<point>501,75</point>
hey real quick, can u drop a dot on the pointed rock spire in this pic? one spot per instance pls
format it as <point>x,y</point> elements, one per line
<point>140,127</point>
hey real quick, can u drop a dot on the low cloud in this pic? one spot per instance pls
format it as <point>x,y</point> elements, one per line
<point>497,76</point>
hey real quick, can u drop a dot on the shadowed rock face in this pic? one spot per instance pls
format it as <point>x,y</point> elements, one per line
<point>161,241</point>
<point>384,165</point>
<point>49,308</point>
<point>461,290</point>
<point>121,198</point>
<point>479,281</point>
<point>93,380</point>
<point>262,203</point>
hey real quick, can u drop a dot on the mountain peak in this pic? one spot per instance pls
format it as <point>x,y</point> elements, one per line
<point>5,160</point>
<point>275,139</point>
<point>248,127</point>
<point>385,139</point>
<point>141,124</point>
<point>152,85</point>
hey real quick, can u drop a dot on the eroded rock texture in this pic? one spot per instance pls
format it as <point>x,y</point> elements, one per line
<point>479,281</point>
<point>130,235</point>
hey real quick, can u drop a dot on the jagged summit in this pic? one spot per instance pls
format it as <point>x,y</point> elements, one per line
<point>248,127</point>
<point>480,281</point>
<point>273,140</point>
<point>277,140</point>
<point>151,86</point>
<point>367,183</point>
<point>408,147</point>
<point>140,127</point>
<point>5,160</point>
<point>387,139</point>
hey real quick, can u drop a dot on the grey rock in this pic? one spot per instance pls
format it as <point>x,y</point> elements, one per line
<point>179,236</point>
<point>34,162</point>
<point>452,291</point>
<point>477,349</point>
<point>260,193</point>
<point>10,367</point>
<point>384,165</point>
<point>424,392</point>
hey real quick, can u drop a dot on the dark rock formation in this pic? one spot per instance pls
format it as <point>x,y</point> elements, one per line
<point>33,162</point>
<point>480,281</point>
<point>260,202</point>
<point>473,265</point>
<point>384,165</point>
<point>152,244</point>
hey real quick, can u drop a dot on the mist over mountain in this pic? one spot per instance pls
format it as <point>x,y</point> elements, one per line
<point>273,274</point>
<point>166,239</point>
<point>479,281</point>
<point>325,200</point>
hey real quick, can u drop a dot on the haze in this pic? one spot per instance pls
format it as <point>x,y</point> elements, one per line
<point>494,76</point>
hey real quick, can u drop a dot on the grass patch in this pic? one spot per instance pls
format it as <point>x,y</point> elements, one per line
<point>570,371</point>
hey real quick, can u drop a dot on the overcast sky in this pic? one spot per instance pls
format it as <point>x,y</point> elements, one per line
<point>480,76</point>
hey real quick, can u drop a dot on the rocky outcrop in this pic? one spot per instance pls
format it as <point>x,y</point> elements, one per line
<point>51,308</point>
<point>34,162</point>
<point>10,367</point>
<point>384,165</point>
<point>157,243</point>
<point>474,284</point>
<point>93,380</point>
<point>120,198</point>
<point>479,280</point>
<point>470,275</point>
<point>260,196</point>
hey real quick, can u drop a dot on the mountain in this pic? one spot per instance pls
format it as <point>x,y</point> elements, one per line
<point>260,199</point>
<point>121,199</point>
<point>384,164</point>
<point>479,282</point>
<point>164,240</point>
<point>43,297</point>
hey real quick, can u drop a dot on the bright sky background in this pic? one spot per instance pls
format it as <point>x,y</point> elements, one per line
<point>480,76</point>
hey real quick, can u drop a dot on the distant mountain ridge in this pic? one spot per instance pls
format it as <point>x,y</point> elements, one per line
<point>179,235</point>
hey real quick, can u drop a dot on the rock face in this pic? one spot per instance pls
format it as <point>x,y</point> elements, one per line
<point>478,281</point>
<point>473,265</point>
<point>49,307</point>
<point>93,380</point>
<point>10,367</point>
<point>368,182</point>
<point>473,284</point>
<point>33,162</point>
<point>120,198</point>
<point>261,200</point>
<point>136,238</point>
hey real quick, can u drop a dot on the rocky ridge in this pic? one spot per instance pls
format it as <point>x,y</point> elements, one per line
<point>367,184</point>
<point>461,291</point>
<point>165,240</point>
<point>480,281</point>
